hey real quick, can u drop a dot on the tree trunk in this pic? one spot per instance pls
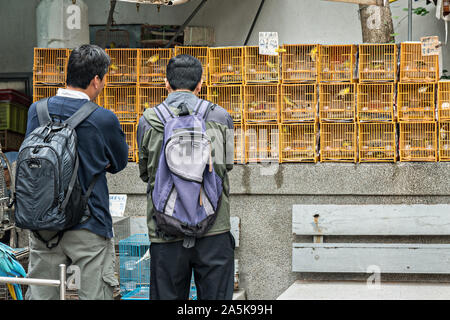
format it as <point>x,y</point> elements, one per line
<point>376,24</point>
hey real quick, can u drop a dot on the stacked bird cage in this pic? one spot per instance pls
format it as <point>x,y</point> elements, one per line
<point>418,141</point>
<point>377,62</point>
<point>443,102</point>
<point>226,65</point>
<point>124,67</point>
<point>337,63</point>
<point>49,68</point>
<point>299,63</point>
<point>261,142</point>
<point>338,141</point>
<point>414,67</point>
<point>260,68</point>
<point>152,65</point>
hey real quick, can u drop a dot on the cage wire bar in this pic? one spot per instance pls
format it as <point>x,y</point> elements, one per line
<point>229,97</point>
<point>418,141</point>
<point>443,100</point>
<point>377,142</point>
<point>416,102</point>
<point>298,142</point>
<point>377,62</point>
<point>49,66</point>
<point>444,141</point>
<point>261,103</point>
<point>122,100</point>
<point>298,102</point>
<point>41,92</point>
<point>129,129</point>
<point>338,142</point>
<point>417,68</point>
<point>375,102</point>
<point>299,63</point>
<point>152,65</point>
<point>226,65</point>
<point>61,283</point>
<point>260,68</point>
<point>124,66</point>
<point>239,143</point>
<point>337,102</point>
<point>337,63</point>
<point>201,53</point>
<point>149,97</point>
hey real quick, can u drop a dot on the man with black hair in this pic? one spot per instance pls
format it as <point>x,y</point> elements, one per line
<point>101,148</point>
<point>211,259</point>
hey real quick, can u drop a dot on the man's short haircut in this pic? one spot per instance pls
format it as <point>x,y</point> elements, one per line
<point>86,62</point>
<point>184,72</point>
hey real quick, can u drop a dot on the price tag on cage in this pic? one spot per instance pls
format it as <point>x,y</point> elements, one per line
<point>430,45</point>
<point>117,204</point>
<point>268,43</point>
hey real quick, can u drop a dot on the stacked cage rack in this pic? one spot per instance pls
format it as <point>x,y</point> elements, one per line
<point>418,141</point>
<point>50,66</point>
<point>338,141</point>
<point>298,102</point>
<point>337,102</point>
<point>124,66</point>
<point>261,103</point>
<point>414,67</point>
<point>299,63</point>
<point>298,142</point>
<point>149,97</point>
<point>226,65</point>
<point>375,102</point>
<point>260,68</point>
<point>261,142</point>
<point>416,102</point>
<point>377,62</point>
<point>337,63</point>
<point>443,100</point>
<point>152,65</point>
<point>377,142</point>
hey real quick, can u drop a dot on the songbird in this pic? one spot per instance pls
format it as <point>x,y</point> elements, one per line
<point>423,89</point>
<point>152,59</point>
<point>280,50</point>
<point>343,92</point>
<point>313,54</point>
<point>270,64</point>
<point>289,101</point>
<point>10,267</point>
<point>113,66</point>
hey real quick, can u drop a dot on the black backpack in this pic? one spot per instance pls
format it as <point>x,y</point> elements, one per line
<point>48,194</point>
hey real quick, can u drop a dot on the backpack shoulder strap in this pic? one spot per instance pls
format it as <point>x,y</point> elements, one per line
<point>203,108</point>
<point>42,112</point>
<point>81,114</point>
<point>163,112</point>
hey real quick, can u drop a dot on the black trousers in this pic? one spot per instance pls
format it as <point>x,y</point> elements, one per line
<point>211,260</point>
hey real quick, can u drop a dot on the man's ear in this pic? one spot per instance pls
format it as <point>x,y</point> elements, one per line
<point>198,88</point>
<point>168,87</point>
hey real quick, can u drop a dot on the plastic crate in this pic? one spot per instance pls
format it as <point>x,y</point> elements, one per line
<point>418,141</point>
<point>239,143</point>
<point>11,141</point>
<point>298,102</point>
<point>375,102</point>
<point>417,68</point>
<point>261,103</point>
<point>150,96</point>
<point>415,102</point>
<point>10,95</point>
<point>298,142</point>
<point>338,142</point>
<point>377,142</point>
<point>261,142</point>
<point>226,65</point>
<point>13,117</point>
<point>444,141</point>
<point>337,101</point>
<point>124,66</point>
<point>299,63</point>
<point>49,66</point>
<point>40,92</point>
<point>153,64</point>
<point>133,272</point>
<point>443,100</point>
<point>201,53</point>
<point>129,129</point>
<point>377,62</point>
<point>229,97</point>
<point>337,63</point>
<point>260,68</point>
<point>123,102</point>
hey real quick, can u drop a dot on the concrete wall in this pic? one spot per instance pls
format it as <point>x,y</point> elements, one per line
<point>296,21</point>
<point>264,205</point>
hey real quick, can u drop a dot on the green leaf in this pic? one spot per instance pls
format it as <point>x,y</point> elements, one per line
<point>394,34</point>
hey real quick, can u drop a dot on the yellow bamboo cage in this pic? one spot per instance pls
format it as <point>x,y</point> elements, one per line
<point>443,100</point>
<point>262,142</point>
<point>298,102</point>
<point>418,141</point>
<point>444,141</point>
<point>239,143</point>
<point>149,97</point>
<point>261,103</point>
<point>203,94</point>
<point>299,63</point>
<point>122,100</point>
<point>377,142</point>
<point>201,53</point>
<point>377,62</point>
<point>337,101</point>
<point>375,102</point>
<point>229,97</point>
<point>416,102</point>
<point>129,129</point>
<point>259,68</point>
<point>49,66</point>
<point>226,65</point>
<point>152,65</point>
<point>337,63</point>
<point>338,142</point>
<point>298,142</point>
<point>41,92</point>
<point>124,66</point>
<point>417,68</point>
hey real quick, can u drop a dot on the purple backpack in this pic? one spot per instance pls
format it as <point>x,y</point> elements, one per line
<point>187,190</point>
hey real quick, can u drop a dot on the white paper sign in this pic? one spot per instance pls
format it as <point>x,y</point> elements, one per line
<point>268,43</point>
<point>117,203</point>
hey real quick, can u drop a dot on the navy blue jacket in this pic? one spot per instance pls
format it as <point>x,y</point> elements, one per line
<point>101,141</point>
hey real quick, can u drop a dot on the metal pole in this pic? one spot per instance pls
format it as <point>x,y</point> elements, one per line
<point>62,282</point>
<point>27,281</point>
<point>409,20</point>
<point>254,22</point>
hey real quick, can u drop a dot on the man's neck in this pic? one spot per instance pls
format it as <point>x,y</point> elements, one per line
<point>82,90</point>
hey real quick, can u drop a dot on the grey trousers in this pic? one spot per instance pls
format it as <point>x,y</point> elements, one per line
<point>94,255</point>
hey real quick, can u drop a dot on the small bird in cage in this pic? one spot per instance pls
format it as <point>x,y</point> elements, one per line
<point>153,59</point>
<point>313,54</point>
